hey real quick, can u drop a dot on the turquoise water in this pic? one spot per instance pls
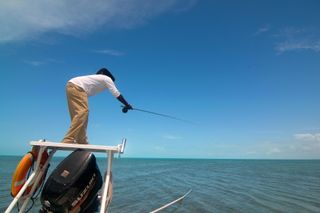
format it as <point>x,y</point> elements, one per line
<point>142,185</point>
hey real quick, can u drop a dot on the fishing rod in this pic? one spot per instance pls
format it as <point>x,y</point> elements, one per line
<point>125,110</point>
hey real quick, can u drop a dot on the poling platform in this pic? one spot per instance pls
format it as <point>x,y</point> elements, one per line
<point>52,147</point>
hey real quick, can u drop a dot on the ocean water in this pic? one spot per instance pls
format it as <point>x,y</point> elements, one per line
<point>142,185</point>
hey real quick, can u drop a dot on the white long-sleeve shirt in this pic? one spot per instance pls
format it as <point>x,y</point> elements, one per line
<point>93,84</point>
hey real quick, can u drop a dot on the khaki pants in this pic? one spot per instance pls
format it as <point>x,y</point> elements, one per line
<point>79,111</point>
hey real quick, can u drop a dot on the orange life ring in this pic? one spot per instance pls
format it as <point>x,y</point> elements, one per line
<point>20,175</point>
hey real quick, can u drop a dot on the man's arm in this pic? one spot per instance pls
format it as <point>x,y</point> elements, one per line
<point>124,102</point>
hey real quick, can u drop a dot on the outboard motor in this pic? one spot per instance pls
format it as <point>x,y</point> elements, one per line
<point>73,186</point>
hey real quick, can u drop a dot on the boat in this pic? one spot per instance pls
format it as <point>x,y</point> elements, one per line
<point>75,185</point>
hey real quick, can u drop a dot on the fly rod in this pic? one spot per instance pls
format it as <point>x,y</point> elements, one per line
<point>125,110</point>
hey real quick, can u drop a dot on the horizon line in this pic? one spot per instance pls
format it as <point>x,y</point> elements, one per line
<point>182,158</point>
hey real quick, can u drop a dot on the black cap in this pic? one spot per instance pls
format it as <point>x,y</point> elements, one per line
<point>105,71</point>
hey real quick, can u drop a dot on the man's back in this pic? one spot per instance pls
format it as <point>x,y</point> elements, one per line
<point>93,84</point>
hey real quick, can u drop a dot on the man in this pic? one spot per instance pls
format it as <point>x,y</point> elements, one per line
<point>78,91</point>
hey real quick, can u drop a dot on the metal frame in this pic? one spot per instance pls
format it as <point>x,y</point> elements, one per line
<point>53,147</point>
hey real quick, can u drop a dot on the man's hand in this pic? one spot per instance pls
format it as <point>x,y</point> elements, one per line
<point>126,108</point>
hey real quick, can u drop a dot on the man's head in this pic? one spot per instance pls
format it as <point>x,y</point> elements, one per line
<point>104,71</point>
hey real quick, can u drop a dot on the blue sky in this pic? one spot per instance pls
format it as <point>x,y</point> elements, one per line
<point>246,72</point>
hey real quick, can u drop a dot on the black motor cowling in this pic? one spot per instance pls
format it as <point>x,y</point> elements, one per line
<point>73,186</point>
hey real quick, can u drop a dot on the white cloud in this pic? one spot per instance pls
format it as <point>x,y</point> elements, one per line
<point>34,63</point>
<point>267,149</point>
<point>290,39</point>
<point>298,44</point>
<point>28,19</point>
<point>262,30</point>
<point>37,63</point>
<point>297,39</point>
<point>306,146</point>
<point>315,137</point>
<point>274,150</point>
<point>187,5</point>
<point>109,52</point>
<point>308,142</point>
